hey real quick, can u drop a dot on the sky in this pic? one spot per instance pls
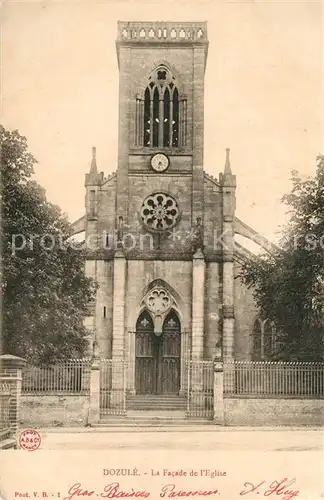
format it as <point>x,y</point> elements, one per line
<point>263,92</point>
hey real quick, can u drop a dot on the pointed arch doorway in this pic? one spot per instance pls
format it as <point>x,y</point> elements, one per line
<point>157,357</point>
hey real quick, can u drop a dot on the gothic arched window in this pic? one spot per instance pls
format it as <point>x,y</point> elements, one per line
<point>162,122</point>
<point>155,117</point>
<point>166,118</point>
<point>264,340</point>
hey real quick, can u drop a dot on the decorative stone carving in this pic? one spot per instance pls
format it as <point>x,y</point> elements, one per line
<point>197,236</point>
<point>95,350</point>
<point>158,302</point>
<point>158,325</point>
<point>159,212</point>
<point>120,232</point>
<point>172,31</point>
<point>144,322</point>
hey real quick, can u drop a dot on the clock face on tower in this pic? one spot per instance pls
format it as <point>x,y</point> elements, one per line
<point>159,162</point>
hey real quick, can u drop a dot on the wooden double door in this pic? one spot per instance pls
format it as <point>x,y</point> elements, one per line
<point>157,357</point>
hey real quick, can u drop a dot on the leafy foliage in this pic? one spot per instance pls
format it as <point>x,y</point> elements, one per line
<point>288,285</point>
<point>44,289</point>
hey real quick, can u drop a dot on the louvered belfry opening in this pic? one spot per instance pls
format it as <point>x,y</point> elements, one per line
<point>161,115</point>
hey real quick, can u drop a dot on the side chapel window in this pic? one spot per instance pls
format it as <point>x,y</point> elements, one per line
<point>163,121</point>
<point>264,341</point>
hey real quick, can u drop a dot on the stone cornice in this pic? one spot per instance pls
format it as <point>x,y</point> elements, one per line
<point>228,312</point>
<point>240,255</point>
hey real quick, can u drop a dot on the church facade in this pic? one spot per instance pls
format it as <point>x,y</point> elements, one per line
<point>160,232</point>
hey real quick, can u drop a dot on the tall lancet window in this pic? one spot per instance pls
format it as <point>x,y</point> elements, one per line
<point>164,114</point>
<point>166,119</point>
<point>147,121</point>
<point>156,118</point>
<point>175,118</point>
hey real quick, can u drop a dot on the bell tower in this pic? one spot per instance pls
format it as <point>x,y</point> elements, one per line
<point>161,110</point>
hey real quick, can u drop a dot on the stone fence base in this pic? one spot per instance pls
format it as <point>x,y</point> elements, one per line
<point>252,412</point>
<point>54,410</point>
<point>73,410</point>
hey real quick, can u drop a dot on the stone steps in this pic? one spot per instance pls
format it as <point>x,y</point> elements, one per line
<point>144,421</point>
<point>156,402</point>
<point>153,410</point>
<point>154,413</point>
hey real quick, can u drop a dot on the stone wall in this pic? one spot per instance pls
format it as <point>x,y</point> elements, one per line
<point>213,309</point>
<point>54,410</point>
<point>273,412</point>
<point>178,275</point>
<point>72,410</point>
<point>245,314</point>
<point>104,307</point>
<point>212,216</point>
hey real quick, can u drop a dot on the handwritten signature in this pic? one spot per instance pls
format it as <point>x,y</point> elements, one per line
<point>110,491</point>
<point>281,487</point>
<point>277,488</point>
<point>113,490</point>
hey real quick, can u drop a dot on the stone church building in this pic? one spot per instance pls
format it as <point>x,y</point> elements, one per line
<point>160,232</point>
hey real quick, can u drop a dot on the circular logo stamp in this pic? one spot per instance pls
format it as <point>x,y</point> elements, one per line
<point>30,440</point>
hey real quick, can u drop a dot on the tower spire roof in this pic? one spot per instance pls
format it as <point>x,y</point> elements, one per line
<point>227,178</point>
<point>94,178</point>
<point>227,169</point>
<point>93,168</point>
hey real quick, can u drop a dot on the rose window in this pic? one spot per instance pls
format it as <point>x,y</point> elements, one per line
<point>159,212</point>
<point>158,301</point>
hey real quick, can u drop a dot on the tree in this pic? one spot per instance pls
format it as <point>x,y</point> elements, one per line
<point>44,289</point>
<point>288,285</point>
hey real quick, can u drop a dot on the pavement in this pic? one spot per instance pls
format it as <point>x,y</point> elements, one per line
<point>222,463</point>
<point>184,438</point>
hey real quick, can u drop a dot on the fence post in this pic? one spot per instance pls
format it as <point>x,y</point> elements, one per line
<point>10,372</point>
<point>94,402</point>
<point>218,392</point>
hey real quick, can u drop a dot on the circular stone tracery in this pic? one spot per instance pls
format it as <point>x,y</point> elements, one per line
<point>159,212</point>
<point>158,301</point>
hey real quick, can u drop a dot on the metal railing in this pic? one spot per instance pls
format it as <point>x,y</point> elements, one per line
<point>69,377</point>
<point>200,402</point>
<point>112,387</point>
<point>266,378</point>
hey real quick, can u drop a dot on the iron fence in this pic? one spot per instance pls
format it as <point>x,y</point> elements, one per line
<point>5,396</point>
<point>112,387</point>
<point>200,402</point>
<point>266,378</point>
<point>69,377</point>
